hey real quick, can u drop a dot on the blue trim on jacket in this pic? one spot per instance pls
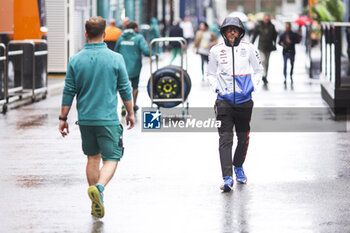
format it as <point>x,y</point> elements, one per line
<point>245,84</point>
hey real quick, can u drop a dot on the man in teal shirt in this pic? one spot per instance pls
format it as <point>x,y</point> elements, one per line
<point>94,76</point>
<point>132,45</point>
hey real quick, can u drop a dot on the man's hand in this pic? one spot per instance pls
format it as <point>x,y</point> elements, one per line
<point>130,120</point>
<point>130,117</point>
<point>62,126</point>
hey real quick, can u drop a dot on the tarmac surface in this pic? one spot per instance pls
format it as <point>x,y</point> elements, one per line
<point>169,182</point>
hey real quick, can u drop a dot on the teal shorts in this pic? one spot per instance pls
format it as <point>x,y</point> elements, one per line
<point>107,140</point>
<point>135,82</point>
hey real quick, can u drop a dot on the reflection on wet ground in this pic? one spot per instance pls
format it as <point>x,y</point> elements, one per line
<point>32,181</point>
<point>97,226</point>
<point>234,211</point>
<point>32,121</point>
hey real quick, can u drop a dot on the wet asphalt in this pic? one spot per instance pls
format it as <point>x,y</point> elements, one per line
<point>169,182</point>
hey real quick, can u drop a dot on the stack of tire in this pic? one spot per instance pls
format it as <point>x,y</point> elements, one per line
<point>167,85</point>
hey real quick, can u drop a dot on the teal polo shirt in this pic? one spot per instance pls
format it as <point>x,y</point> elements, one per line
<point>95,75</point>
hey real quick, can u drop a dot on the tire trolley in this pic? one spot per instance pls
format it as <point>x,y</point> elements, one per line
<point>169,86</point>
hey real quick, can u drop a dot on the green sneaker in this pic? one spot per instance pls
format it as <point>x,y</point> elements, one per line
<point>97,208</point>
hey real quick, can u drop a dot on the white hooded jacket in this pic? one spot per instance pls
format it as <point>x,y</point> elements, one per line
<point>247,71</point>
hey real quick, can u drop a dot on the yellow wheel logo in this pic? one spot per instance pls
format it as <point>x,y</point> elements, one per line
<point>167,88</point>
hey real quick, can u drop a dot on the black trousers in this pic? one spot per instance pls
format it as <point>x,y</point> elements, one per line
<point>238,116</point>
<point>291,57</point>
<point>204,58</point>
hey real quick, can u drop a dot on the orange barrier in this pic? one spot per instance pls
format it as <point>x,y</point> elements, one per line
<point>20,19</point>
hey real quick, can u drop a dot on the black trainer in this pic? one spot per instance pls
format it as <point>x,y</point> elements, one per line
<point>136,108</point>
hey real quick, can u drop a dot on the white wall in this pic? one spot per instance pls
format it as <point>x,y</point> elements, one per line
<point>81,13</point>
<point>66,30</point>
<point>221,9</point>
<point>289,10</point>
<point>57,35</point>
<point>176,10</point>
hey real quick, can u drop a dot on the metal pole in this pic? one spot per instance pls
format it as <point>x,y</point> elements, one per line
<point>33,74</point>
<point>337,43</point>
<point>6,89</point>
<point>163,17</point>
<point>183,46</point>
<point>150,56</point>
<point>22,70</point>
<point>4,60</point>
<point>182,80</point>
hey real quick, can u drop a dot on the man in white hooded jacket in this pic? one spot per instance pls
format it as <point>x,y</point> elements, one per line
<point>234,71</point>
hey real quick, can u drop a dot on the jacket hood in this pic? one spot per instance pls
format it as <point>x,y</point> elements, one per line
<point>154,21</point>
<point>232,21</point>
<point>128,33</point>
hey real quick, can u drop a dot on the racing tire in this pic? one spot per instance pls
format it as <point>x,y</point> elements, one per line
<point>167,85</point>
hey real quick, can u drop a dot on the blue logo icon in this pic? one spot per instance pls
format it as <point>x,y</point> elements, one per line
<point>151,119</point>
